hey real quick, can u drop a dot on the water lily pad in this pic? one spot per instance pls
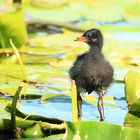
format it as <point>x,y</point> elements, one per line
<point>33,124</point>
<point>3,104</point>
<point>5,117</point>
<point>10,72</point>
<point>33,132</point>
<point>56,137</point>
<point>132,12</point>
<point>72,11</point>
<point>29,91</point>
<point>49,96</point>
<point>98,130</point>
<point>132,121</point>
<point>32,116</point>
<point>135,107</point>
<point>132,87</point>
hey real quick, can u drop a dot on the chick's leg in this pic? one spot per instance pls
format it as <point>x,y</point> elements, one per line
<point>79,103</point>
<point>101,106</point>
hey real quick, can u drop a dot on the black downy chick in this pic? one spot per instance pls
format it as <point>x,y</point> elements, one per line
<point>91,71</point>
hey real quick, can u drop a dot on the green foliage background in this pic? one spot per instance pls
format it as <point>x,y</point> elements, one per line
<point>12,25</point>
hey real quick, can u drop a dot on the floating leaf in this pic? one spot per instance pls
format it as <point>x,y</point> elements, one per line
<point>132,12</point>
<point>50,96</point>
<point>108,101</point>
<point>33,132</point>
<point>132,121</point>
<point>56,137</point>
<point>5,117</point>
<point>30,91</point>
<point>34,128</point>
<point>100,130</point>
<point>132,87</point>
<point>135,107</point>
<point>32,116</point>
<point>72,11</point>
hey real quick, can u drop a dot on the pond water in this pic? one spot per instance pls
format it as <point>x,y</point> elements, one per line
<point>128,36</point>
<point>60,107</point>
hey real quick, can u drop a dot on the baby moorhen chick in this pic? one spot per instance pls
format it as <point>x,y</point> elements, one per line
<point>91,71</point>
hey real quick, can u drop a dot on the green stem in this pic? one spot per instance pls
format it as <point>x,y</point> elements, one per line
<point>13,109</point>
<point>74,102</point>
<point>1,40</point>
<point>19,60</point>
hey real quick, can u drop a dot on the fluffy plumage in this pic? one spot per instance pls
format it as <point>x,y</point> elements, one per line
<point>91,71</point>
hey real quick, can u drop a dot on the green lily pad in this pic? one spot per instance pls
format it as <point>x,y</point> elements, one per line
<point>32,127</point>
<point>10,72</point>
<point>21,114</point>
<point>100,130</point>
<point>33,132</point>
<point>132,121</point>
<point>132,12</point>
<point>135,107</point>
<point>132,88</point>
<point>29,91</point>
<point>5,117</point>
<point>56,137</point>
<point>50,96</point>
<point>108,100</point>
<point>3,104</point>
<point>72,10</point>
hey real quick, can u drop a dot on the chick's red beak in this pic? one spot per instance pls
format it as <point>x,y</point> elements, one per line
<point>81,38</point>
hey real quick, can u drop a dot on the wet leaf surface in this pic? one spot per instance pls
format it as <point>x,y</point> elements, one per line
<point>80,130</point>
<point>132,91</point>
<point>132,121</point>
<point>33,132</point>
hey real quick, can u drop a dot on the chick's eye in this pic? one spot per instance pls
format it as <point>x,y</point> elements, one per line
<point>89,35</point>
